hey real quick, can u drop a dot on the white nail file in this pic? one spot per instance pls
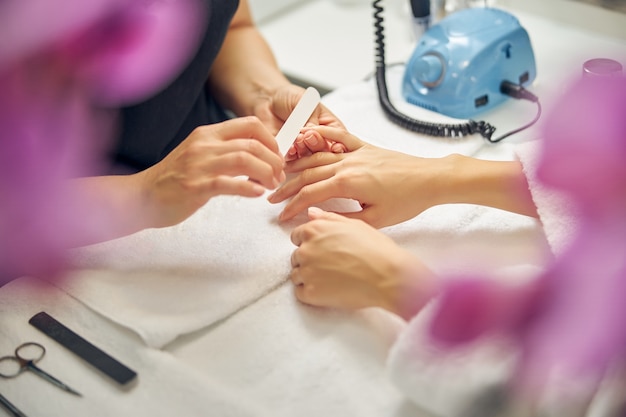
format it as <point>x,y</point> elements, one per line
<point>297,119</point>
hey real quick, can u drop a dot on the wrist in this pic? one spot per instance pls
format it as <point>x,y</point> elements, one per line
<point>435,181</point>
<point>498,184</point>
<point>459,180</point>
<point>147,199</point>
<point>413,285</point>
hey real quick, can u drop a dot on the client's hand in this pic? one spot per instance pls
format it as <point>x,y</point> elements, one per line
<point>345,263</point>
<point>390,186</point>
<point>210,162</point>
<point>309,142</point>
<point>274,109</point>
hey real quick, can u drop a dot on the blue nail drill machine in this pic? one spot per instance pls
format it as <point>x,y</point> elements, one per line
<point>460,62</point>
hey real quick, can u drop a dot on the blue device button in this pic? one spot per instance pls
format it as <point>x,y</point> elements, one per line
<point>429,69</point>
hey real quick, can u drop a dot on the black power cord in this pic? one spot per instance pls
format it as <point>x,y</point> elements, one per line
<point>471,127</point>
<point>518,92</point>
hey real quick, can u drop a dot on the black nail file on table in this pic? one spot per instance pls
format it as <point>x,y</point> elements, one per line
<point>83,348</point>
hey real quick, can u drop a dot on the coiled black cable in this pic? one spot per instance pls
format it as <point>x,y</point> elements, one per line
<point>432,129</point>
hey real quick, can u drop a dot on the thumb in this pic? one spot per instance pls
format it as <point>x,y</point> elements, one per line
<point>286,100</point>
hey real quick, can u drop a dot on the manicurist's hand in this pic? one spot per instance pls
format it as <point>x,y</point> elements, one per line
<point>238,157</point>
<point>345,263</point>
<point>275,109</point>
<point>390,186</point>
<point>260,90</point>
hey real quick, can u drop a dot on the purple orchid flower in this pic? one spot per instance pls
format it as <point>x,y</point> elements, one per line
<point>571,320</point>
<point>43,144</point>
<point>61,63</point>
<point>122,50</point>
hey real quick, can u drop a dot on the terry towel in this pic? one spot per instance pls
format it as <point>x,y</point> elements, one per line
<point>163,283</point>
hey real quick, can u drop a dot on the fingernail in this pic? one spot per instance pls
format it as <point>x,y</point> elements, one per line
<point>311,139</point>
<point>315,210</point>
<point>270,197</point>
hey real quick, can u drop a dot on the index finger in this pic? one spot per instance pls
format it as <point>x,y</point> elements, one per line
<point>249,127</point>
<point>313,161</point>
<point>338,135</point>
<point>311,194</point>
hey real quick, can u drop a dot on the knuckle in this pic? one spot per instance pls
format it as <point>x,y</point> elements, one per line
<point>213,185</point>
<point>320,158</point>
<point>307,232</point>
<point>343,183</point>
<point>253,146</point>
<point>187,185</point>
<point>199,130</point>
<point>308,175</point>
<point>303,251</point>
<point>238,159</point>
<point>197,148</point>
<point>304,194</point>
<point>306,293</point>
<point>251,121</point>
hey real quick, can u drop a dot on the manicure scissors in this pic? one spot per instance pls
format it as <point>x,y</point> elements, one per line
<point>26,356</point>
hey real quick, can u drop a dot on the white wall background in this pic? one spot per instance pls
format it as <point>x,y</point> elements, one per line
<point>577,13</point>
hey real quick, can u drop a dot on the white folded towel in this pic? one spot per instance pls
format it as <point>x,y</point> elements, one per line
<point>164,385</point>
<point>171,281</point>
<point>302,361</point>
<point>163,283</point>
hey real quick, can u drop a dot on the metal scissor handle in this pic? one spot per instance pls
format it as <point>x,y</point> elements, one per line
<point>12,366</point>
<point>26,355</point>
<point>25,352</point>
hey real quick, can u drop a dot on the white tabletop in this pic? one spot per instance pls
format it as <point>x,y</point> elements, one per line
<point>330,43</point>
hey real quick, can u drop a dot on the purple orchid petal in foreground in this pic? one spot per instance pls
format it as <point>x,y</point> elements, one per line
<point>54,82</point>
<point>585,144</point>
<point>49,134</point>
<point>29,27</point>
<point>582,326</point>
<point>571,321</point>
<point>579,328</point>
<point>123,50</point>
<point>133,53</point>
<point>471,307</point>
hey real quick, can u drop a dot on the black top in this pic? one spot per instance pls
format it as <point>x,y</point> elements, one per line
<point>151,129</point>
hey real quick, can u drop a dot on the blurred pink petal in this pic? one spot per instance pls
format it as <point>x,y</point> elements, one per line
<point>585,145</point>
<point>122,50</point>
<point>472,307</point>
<point>571,321</point>
<point>136,51</point>
<point>580,328</point>
<point>48,134</point>
<point>61,61</point>
<point>29,27</point>
<point>583,329</point>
